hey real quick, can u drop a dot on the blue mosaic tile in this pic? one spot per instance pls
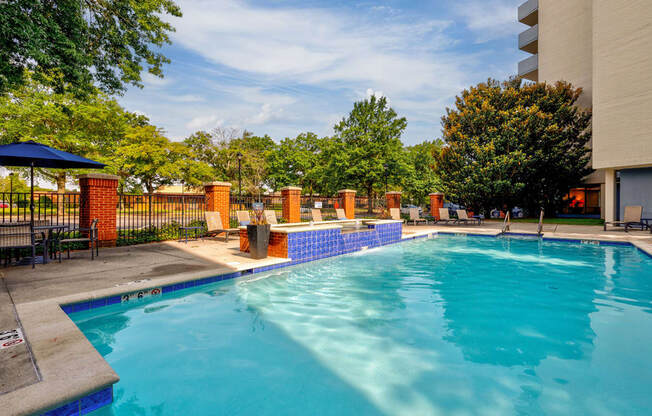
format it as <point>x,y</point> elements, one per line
<point>68,309</point>
<point>97,303</point>
<point>112,300</point>
<point>67,409</point>
<point>81,306</point>
<point>168,289</point>
<point>96,400</point>
<point>615,243</point>
<point>189,284</point>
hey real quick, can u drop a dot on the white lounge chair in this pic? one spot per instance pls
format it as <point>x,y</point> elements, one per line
<point>631,218</point>
<point>463,217</point>
<point>270,216</point>
<point>243,217</point>
<point>395,214</point>
<point>215,226</point>
<point>444,216</point>
<point>341,215</point>
<point>316,215</point>
<point>415,218</point>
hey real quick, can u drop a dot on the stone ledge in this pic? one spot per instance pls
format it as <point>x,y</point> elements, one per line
<point>291,188</point>
<point>217,183</point>
<point>350,191</point>
<point>98,176</point>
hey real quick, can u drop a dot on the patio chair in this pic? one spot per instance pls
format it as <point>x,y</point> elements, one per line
<point>87,235</point>
<point>316,215</point>
<point>341,215</point>
<point>270,216</point>
<point>463,217</point>
<point>214,225</point>
<point>243,217</point>
<point>415,218</point>
<point>395,214</point>
<point>444,216</point>
<point>631,218</point>
<point>14,236</point>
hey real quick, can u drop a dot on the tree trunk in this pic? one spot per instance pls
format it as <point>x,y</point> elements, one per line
<point>61,182</point>
<point>370,208</point>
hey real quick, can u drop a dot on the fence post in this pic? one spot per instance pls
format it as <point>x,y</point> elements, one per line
<point>218,199</point>
<point>348,202</point>
<point>393,200</point>
<point>99,199</point>
<point>291,203</point>
<point>436,202</point>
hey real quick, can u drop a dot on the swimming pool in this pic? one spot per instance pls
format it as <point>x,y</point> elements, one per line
<point>464,325</point>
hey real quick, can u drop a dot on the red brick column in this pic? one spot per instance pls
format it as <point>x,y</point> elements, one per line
<point>291,203</point>
<point>99,199</point>
<point>393,199</point>
<point>218,199</point>
<point>436,202</point>
<point>347,196</point>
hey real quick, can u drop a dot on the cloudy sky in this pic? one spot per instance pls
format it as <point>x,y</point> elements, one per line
<point>283,67</point>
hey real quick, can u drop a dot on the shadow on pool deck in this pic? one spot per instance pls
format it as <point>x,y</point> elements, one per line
<point>122,265</point>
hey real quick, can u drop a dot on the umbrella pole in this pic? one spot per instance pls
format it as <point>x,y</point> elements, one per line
<point>31,213</point>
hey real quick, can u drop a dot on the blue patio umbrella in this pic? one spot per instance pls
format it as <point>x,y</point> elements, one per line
<point>38,155</point>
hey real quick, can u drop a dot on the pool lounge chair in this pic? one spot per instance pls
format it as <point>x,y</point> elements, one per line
<point>463,217</point>
<point>215,226</point>
<point>270,216</point>
<point>316,215</point>
<point>341,215</point>
<point>415,218</point>
<point>243,217</point>
<point>632,218</point>
<point>444,217</point>
<point>395,214</point>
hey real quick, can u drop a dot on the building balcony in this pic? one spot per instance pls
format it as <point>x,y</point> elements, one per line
<point>528,12</point>
<point>528,40</point>
<point>528,68</point>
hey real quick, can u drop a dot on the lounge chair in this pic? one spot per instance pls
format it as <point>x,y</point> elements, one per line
<point>270,216</point>
<point>415,218</point>
<point>395,214</point>
<point>243,217</point>
<point>632,218</point>
<point>463,217</point>
<point>340,214</point>
<point>444,216</point>
<point>316,215</point>
<point>215,226</point>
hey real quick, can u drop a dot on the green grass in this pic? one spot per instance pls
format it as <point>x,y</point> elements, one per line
<point>565,221</point>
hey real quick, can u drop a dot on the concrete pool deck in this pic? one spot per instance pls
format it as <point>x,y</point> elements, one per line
<point>57,363</point>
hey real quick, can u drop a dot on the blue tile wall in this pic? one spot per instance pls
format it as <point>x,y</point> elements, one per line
<point>84,405</point>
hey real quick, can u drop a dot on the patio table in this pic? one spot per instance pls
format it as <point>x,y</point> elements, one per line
<point>47,232</point>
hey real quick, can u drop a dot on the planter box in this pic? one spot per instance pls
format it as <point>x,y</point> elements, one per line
<point>258,236</point>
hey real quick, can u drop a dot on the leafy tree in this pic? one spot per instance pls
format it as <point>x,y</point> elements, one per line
<point>515,144</point>
<point>148,156</point>
<point>299,162</point>
<point>88,127</point>
<point>19,185</point>
<point>421,177</point>
<point>368,139</point>
<point>82,42</point>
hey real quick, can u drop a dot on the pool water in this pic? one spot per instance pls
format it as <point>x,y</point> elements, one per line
<point>450,325</point>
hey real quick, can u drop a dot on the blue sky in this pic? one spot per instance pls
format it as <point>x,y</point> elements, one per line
<point>284,67</point>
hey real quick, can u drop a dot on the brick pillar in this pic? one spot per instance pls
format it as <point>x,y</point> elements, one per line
<point>291,203</point>
<point>99,199</point>
<point>393,200</point>
<point>436,202</point>
<point>347,196</point>
<point>218,199</point>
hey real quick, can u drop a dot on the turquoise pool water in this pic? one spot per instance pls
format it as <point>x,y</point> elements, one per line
<point>452,325</point>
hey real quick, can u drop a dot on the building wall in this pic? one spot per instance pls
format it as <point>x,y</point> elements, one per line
<point>622,83</point>
<point>565,44</point>
<point>636,189</point>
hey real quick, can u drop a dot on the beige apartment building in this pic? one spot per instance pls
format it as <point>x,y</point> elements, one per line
<point>605,47</point>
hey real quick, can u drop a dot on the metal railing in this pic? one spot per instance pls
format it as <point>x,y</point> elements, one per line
<point>52,207</point>
<point>244,203</point>
<point>540,226</point>
<point>506,223</point>
<point>362,207</point>
<point>143,218</point>
<point>327,205</point>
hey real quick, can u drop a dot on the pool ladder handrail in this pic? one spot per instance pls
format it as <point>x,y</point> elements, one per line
<point>540,226</point>
<point>506,224</point>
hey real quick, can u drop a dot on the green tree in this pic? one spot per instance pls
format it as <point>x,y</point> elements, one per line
<point>515,144</point>
<point>88,127</point>
<point>421,176</point>
<point>369,138</point>
<point>83,42</point>
<point>148,157</point>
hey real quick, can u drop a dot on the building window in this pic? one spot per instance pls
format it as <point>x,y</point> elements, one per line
<point>583,201</point>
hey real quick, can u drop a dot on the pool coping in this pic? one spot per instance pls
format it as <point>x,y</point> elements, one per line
<point>72,369</point>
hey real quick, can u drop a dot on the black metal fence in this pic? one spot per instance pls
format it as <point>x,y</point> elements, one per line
<point>50,207</point>
<point>378,206</point>
<point>244,203</point>
<point>143,218</point>
<point>327,205</point>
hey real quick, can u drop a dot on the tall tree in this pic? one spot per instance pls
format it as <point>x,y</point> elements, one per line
<point>421,176</point>
<point>515,144</point>
<point>370,138</point>
<point>83,42</point>
<point>89,127</point>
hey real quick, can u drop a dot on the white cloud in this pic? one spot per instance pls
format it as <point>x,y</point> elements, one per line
<point>154,81</point>
<point>266,114</point>
<point>187,98</point>
<point>491,20</point>
<point>204,122</point>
